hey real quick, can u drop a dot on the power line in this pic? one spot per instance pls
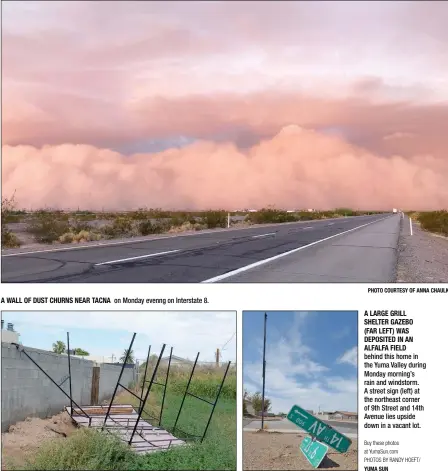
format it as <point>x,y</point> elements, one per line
<point>233,335</point>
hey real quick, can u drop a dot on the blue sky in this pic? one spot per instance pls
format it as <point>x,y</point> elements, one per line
<point>109,333</point>
<point>311,358</point>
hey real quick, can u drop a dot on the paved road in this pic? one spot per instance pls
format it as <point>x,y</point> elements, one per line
<point>285,424</point>
<point>356,249</point>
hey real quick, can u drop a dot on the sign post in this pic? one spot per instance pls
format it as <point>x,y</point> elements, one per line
<point>314,451</point>
<point>319,429</point>
<point>264,373</point>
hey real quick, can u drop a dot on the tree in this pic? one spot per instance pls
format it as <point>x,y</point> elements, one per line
<point>130,357</point>
<point>59,347</point>
<point>246,397</point>
<point>257,401</point>
<point>81,352</point>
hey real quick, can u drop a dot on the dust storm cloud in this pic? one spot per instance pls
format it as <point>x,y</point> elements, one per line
<point>297,168</point>
<point>300,117</point>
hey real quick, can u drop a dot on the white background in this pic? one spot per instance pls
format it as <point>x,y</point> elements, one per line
<point>427,310</point>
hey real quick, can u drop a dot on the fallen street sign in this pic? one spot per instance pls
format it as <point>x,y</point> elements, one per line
<point>316,428</point>
<point>314,451</point>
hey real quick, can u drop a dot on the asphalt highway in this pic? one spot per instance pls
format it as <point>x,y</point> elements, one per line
<point>355,249</point>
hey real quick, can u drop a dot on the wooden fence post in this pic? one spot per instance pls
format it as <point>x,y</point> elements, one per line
<point>95,391</point>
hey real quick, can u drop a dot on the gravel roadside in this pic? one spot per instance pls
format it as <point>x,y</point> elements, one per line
<point>422,257</point>
<point>271,451</point>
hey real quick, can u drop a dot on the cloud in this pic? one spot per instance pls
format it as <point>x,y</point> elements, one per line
<point>343,332</point>
<point>296,168</point>
<point>350,357</point>
<point>187,332</point>
<point>143,77</point>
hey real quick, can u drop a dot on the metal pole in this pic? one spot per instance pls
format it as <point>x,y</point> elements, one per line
<point>264,372</point>
<point>147,393</point>
<point>216,401</point>
<point>69,374</point>
<point>22,350</point>
<point>144,377</point>
<point>166,385</point>
<point>119,379</point>
<point>185,393</point>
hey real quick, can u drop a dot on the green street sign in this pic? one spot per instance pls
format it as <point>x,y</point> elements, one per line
<point>314,451</point>
<point>322,431</point>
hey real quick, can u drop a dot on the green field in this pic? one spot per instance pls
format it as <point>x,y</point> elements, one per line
<point>93,450</point>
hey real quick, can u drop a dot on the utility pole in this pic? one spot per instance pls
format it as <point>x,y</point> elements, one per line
<point>217,357</point>
<point>264,372</point>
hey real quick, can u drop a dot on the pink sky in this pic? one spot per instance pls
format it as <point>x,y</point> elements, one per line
<point>225,104</point>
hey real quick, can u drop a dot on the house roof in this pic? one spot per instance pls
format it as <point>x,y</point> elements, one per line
<point>346,413</point>
<point>174,357</point>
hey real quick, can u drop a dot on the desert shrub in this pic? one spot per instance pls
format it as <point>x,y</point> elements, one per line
<point>179,219</point>
<point>148,227</point>
<point>47,227</point>
<point>434,221</point>
<point>81,236</point>
<point>308,215</point>
<point>83,216</point>
<point>213,219</point>
<point>269,215</point>
<point>187,226</point>
<point>78,224</point>
<point>9,239</point>
<point>67,238</point>
<point>346,212</point>
<point>160,214</point>
<point>121,226</point>
<point>140,215</point>
<point>55,214</point>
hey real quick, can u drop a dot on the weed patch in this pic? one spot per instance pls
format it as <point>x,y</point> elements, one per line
<point>434,221</point>
<point>121,226</point>
<point>268,216</point>
<point>47,229</point>
<point>92,450</point>
<point>9,240</point>
<point>213,219</point>
<point>148,228</point>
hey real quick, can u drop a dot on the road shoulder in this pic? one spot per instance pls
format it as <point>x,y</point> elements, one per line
<point>422,256</point>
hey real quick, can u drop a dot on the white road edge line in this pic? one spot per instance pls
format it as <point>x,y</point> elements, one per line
<point>263,235</point>
<point>410,225</point>
<point>135,241</point>
<point>284,254</point>
<point>308,227</point>
<point>136,258</point>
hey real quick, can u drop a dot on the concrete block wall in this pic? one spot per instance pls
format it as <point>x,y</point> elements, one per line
<point>26,391</point>
<point>108,379</point>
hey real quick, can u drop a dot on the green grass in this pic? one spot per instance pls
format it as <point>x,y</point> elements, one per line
<point>93,450</point>
<point>434,221</point>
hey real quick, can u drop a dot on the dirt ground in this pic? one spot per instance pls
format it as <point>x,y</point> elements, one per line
<point>25,438</point>
<point>269,450</point>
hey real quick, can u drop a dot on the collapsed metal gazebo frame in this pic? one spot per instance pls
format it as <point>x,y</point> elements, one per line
<point>125,424</point>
